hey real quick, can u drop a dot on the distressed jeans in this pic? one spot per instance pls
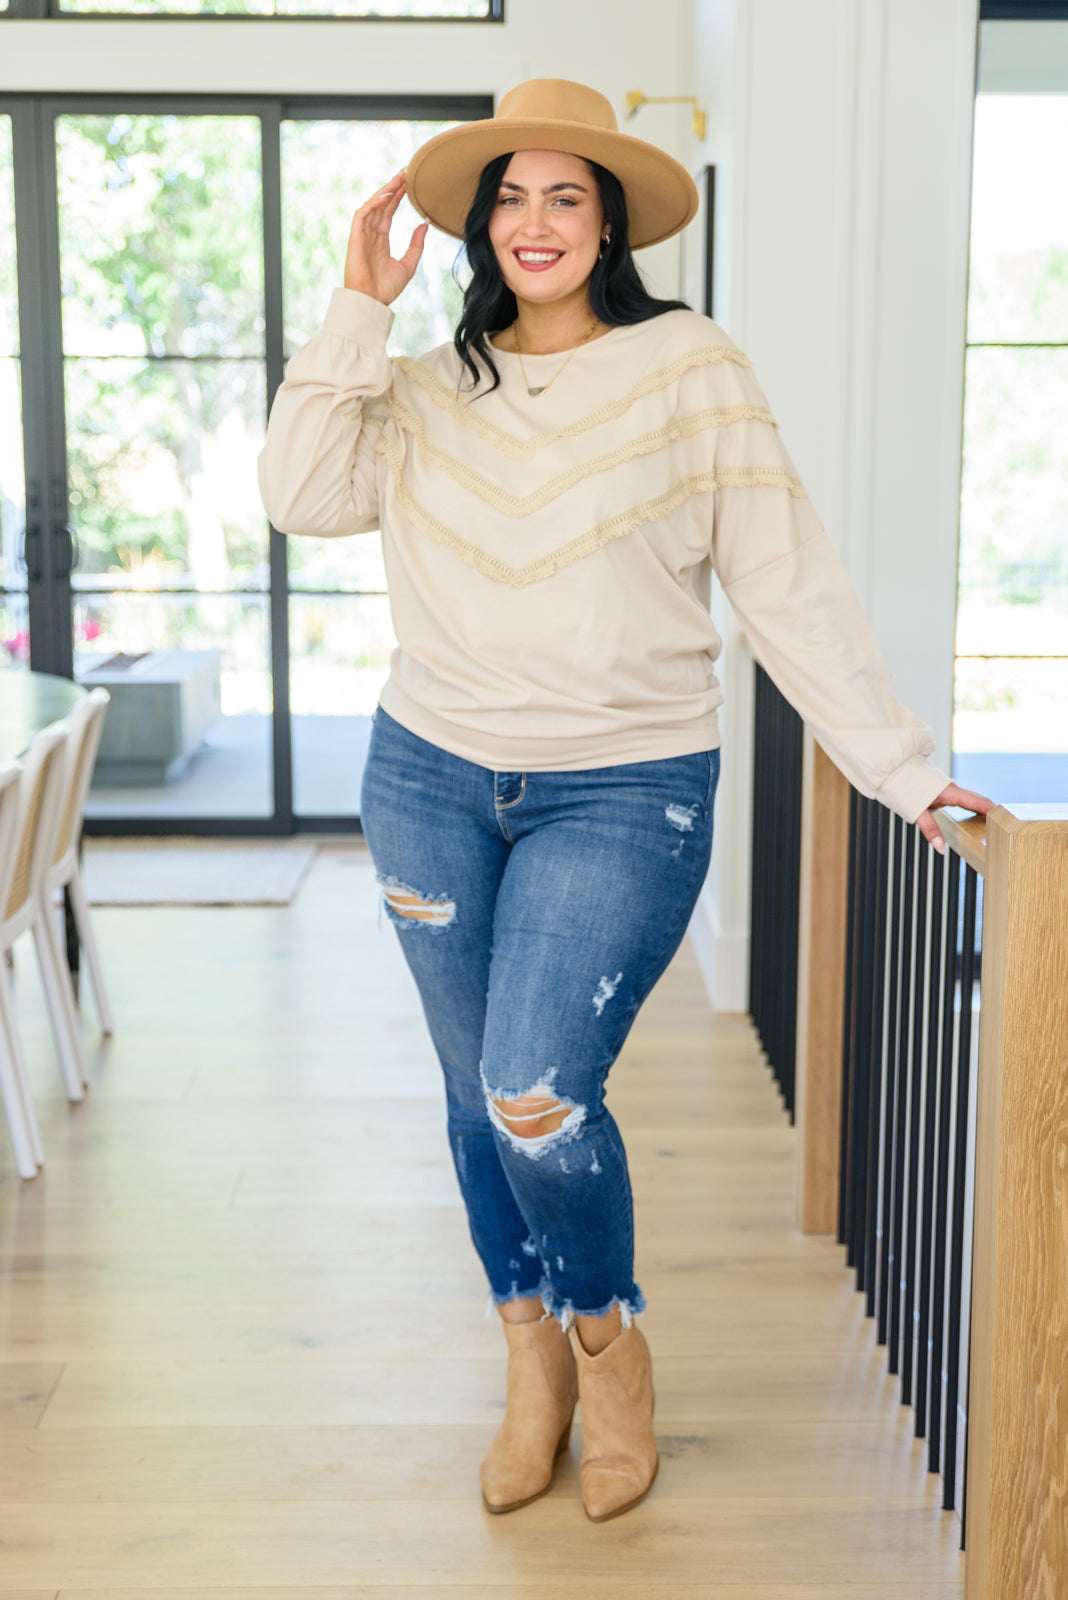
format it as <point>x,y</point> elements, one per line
<point>536,911</point>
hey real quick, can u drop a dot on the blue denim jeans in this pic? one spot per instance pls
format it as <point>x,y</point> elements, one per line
<point>536,911</point>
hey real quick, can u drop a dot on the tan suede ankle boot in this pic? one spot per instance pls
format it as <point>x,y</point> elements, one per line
<point>619,1459</point>
<point>537,1418</point>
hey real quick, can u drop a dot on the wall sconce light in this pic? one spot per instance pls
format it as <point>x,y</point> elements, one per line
<point>635,101</point>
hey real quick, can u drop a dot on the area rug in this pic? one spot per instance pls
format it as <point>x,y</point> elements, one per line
<point>193,872</point>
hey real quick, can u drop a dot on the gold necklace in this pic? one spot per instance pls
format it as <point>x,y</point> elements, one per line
<point>539,389</point>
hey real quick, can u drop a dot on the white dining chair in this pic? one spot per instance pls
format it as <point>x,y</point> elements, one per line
<point>85,725</point>
<point>14,1088</point>
<point>41,789</point>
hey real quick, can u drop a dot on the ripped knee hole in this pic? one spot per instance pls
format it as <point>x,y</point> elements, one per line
<point>531,1116</point>
<point>416,907</point>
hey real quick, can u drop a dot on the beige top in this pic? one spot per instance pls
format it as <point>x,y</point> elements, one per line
<point>549,560</point>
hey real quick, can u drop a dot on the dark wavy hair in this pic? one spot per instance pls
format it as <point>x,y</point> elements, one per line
<point>616,292</point>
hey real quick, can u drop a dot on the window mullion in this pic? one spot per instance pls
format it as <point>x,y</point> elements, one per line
<point>274,336</point>
<point>41,345</point>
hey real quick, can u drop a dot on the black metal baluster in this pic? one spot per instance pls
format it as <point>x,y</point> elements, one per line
<point>775,997</point>
<point>775,880</point>
<point>897,830</point>
<point>791,833</point>
<point>960,1161</point>
<point>950,1016</point>
<point>967,1425</point>
<point>904,1078</point>
<point>757,901</point>
<point>861,1046</point>
<point>876,1065</point>
<point>942,1195</point>
<point>919,968</point>
<point>930,1137</point>
<point>845,1155</point>
<point>773,1018</point>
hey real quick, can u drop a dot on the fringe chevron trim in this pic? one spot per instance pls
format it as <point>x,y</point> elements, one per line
<point>446,398</point>
<point>515,505</point>
<point>760,478</point>
<point>586,544</point>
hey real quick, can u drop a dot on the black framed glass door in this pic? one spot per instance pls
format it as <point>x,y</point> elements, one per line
<point>185,248</point>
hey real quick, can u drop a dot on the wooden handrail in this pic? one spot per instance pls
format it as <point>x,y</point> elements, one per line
<point>966,834</point>
<point>1017,1537</point>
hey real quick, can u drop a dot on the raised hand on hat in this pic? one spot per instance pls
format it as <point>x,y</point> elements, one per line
<point>369,267</point>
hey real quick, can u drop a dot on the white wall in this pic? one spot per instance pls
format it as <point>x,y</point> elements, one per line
<point>613,48</point>
<point>843,128</point>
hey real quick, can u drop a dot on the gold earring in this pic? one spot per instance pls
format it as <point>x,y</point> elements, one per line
<point>605,239</point>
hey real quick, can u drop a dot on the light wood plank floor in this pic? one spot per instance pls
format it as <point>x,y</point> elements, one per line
<point>242,1346</point>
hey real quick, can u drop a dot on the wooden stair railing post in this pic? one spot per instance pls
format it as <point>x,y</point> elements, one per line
<point>1017,1510</point>
<point>821,986</point>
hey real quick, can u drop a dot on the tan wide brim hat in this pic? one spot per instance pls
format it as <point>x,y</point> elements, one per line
<point>552,114</point>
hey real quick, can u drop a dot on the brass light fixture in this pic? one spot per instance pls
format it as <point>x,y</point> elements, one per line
<point>635,101</point>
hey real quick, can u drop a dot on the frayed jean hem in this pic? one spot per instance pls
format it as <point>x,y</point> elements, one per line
<point>629,1308</point>
<point>565,1311</point>
<point>539,1291</point>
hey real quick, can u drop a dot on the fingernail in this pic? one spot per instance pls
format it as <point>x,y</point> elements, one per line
<point>940,846</point>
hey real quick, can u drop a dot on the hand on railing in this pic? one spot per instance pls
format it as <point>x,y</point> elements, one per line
<point>951,796</point>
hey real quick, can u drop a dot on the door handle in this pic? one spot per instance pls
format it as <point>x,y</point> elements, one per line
<point>31,551</point>
<point>64,549</point>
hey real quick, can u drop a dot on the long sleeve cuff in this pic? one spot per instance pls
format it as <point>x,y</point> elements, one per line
<point>356,316</point>
<point>912,787</point>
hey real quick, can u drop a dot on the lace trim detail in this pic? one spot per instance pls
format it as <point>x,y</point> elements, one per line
<point>515,505</point>
<point>586,544</point>
<point>447,399</point>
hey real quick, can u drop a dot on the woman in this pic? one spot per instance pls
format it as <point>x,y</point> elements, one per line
<point>554,489</point>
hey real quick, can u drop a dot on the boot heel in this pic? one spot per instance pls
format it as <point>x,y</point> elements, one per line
<point>565,1439</point>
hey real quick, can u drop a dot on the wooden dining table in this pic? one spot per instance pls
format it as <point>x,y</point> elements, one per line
<point>29,701</point>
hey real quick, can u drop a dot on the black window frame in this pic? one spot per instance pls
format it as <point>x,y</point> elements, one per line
<point>1023,11</point>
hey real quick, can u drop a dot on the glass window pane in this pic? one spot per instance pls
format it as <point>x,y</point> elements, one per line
<point>1019,245</point>
<point>1014,504</point>
<point>333,8</point>
<point>143,8</point>
<point>384,8</point>
<point>340,642</point>
<point>161,235</point>
<point>344,565</point>
<point>1011,706</point>
<point>328,170</point>
<point>12,478</point>
<point>14,631</point>
<point>340,646</point>
<point>9,305</point>
<point>162,473</point>
<point>188,732</point>
<point>14,616</point>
